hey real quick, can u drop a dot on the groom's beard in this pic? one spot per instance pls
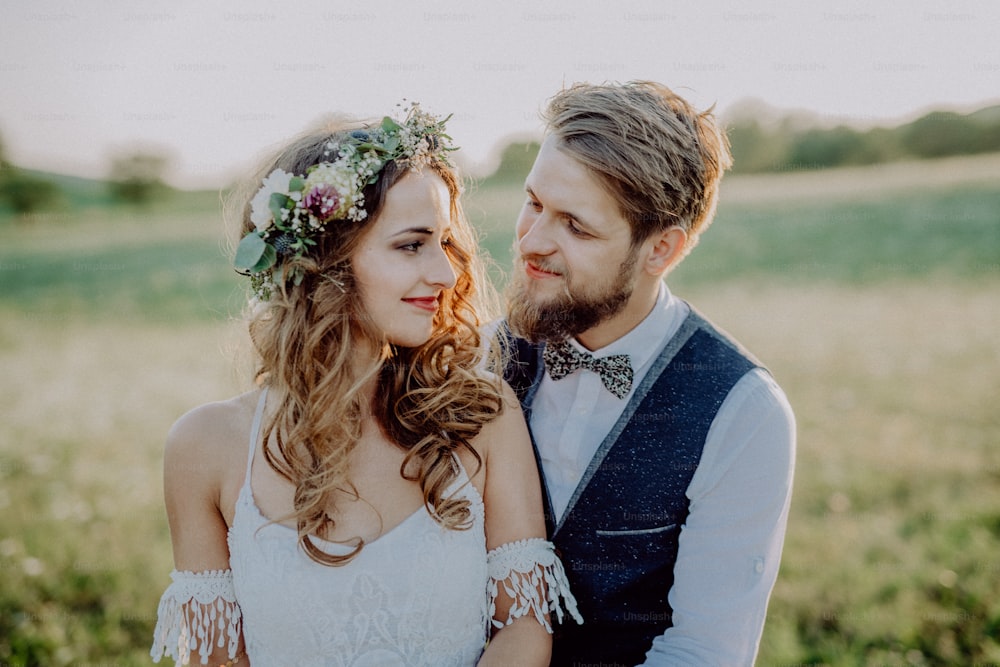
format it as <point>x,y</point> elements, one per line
<point>570,313</point>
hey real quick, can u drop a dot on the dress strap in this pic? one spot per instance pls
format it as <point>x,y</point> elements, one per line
<point>258,417</point>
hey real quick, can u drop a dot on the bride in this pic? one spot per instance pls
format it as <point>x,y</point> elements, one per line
<point>375,500</point>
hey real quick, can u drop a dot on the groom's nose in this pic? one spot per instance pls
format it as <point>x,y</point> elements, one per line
<point>533,237</point>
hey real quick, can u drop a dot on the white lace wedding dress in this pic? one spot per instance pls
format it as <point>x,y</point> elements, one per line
<point>418,595</point>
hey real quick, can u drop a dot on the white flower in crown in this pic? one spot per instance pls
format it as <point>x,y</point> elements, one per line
<point>260,211</point>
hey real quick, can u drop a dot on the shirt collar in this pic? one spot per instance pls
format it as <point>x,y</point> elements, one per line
<point>643,341</point>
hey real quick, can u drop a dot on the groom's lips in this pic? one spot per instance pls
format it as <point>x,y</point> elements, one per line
<point>537,272</point>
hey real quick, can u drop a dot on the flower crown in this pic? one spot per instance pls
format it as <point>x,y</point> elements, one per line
<point>290,211</point>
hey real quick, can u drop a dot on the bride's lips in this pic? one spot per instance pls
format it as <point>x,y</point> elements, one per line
<point>537,272</point>
<point>428,303</point>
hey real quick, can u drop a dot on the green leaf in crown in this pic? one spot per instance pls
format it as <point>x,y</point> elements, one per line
<point>254,254</point>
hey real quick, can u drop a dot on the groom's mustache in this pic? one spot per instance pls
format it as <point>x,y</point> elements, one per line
<point>543,263</point>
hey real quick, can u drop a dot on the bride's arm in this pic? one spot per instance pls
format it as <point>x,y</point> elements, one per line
<point>519,554</point>
<point>198,618</point>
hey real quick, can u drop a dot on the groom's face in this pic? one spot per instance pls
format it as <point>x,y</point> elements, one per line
<point>574,260</point>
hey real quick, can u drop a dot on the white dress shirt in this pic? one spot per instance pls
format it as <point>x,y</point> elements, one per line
<point>730,546</point>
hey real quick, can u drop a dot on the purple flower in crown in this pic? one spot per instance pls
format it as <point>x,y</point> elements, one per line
<point>323,201</point>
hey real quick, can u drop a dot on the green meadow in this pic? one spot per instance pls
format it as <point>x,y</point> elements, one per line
<point>873,294</point>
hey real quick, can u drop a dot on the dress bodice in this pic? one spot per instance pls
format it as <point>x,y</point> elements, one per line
<point>417,595</point>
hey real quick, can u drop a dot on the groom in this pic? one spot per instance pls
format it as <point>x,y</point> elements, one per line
<point>666,448</point>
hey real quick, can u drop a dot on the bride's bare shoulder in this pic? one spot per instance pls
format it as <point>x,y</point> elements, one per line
<point>214,434</point>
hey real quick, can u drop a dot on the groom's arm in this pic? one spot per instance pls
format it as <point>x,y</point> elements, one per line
<point>730,546</point>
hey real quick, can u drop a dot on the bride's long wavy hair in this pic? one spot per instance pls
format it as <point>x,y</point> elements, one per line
<point>430,400</point>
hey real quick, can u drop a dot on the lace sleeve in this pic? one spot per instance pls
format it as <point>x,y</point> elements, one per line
<point>527,570</point>
<point>198,610</point>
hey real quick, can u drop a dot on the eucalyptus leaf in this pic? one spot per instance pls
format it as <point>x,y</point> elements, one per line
<point>364,148</point>
<point>391,144</point>
<point>389,125</point>
<point>277,203</point>
<point>267,260</point>
<point>296,184</point>
<point>249,251</point>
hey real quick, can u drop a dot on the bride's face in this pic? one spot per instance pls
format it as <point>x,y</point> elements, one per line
<point>401,264</point>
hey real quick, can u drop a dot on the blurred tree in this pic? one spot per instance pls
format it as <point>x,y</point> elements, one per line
<point>941,133</point>
<point>989,121</point>
<point>23,192</point>
<point>137,176</point>
<point>755,148</point>
<point>818,149</point>
<point>881,145</point>
<point>515,162</point>
<point>26,193</point>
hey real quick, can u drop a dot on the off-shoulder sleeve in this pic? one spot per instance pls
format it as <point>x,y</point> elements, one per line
<point>197,611</point>
<point>533,576</point>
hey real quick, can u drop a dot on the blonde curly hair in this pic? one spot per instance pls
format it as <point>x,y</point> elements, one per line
<point>431,400</point>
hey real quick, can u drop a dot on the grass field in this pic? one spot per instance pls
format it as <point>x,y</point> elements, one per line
<point>876,307</point>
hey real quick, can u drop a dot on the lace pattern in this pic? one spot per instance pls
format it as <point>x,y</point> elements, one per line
<point>198,609</point>
<point>527,569</point>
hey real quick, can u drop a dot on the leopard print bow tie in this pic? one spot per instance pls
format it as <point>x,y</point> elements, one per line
<point>561,359</point>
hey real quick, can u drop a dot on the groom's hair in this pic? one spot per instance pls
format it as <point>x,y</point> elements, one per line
<point>657,156</point>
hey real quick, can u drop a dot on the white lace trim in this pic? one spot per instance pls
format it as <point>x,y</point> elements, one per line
<point>198,610</point>
<point>524,567</point>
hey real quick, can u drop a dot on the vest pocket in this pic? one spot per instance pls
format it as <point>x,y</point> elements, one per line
<point>635,531</point>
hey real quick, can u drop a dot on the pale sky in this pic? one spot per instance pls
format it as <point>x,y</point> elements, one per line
<point>218,83</point>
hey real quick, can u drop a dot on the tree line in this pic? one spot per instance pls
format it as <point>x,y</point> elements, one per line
<point>760,143</point>
<point>133,177</point>
<point>786,145</point>
<point>790,143</point>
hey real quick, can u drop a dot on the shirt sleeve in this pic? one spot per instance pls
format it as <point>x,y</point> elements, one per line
<point>730,546</point>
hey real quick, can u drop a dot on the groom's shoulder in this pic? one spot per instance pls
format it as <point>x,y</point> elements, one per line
<point>697,320</point>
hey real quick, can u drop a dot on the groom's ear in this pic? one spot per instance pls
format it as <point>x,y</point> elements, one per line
<point>663,250</point>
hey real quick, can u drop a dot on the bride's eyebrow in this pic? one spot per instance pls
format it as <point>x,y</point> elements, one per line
<point>414,230</point>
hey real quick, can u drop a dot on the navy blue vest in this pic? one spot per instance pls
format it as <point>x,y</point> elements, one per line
<point>618,537</point>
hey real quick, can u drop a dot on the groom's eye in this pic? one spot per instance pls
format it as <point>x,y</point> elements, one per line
<point>574,228</point>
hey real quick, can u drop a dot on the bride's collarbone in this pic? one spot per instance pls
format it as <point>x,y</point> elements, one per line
<point>375,499</point>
